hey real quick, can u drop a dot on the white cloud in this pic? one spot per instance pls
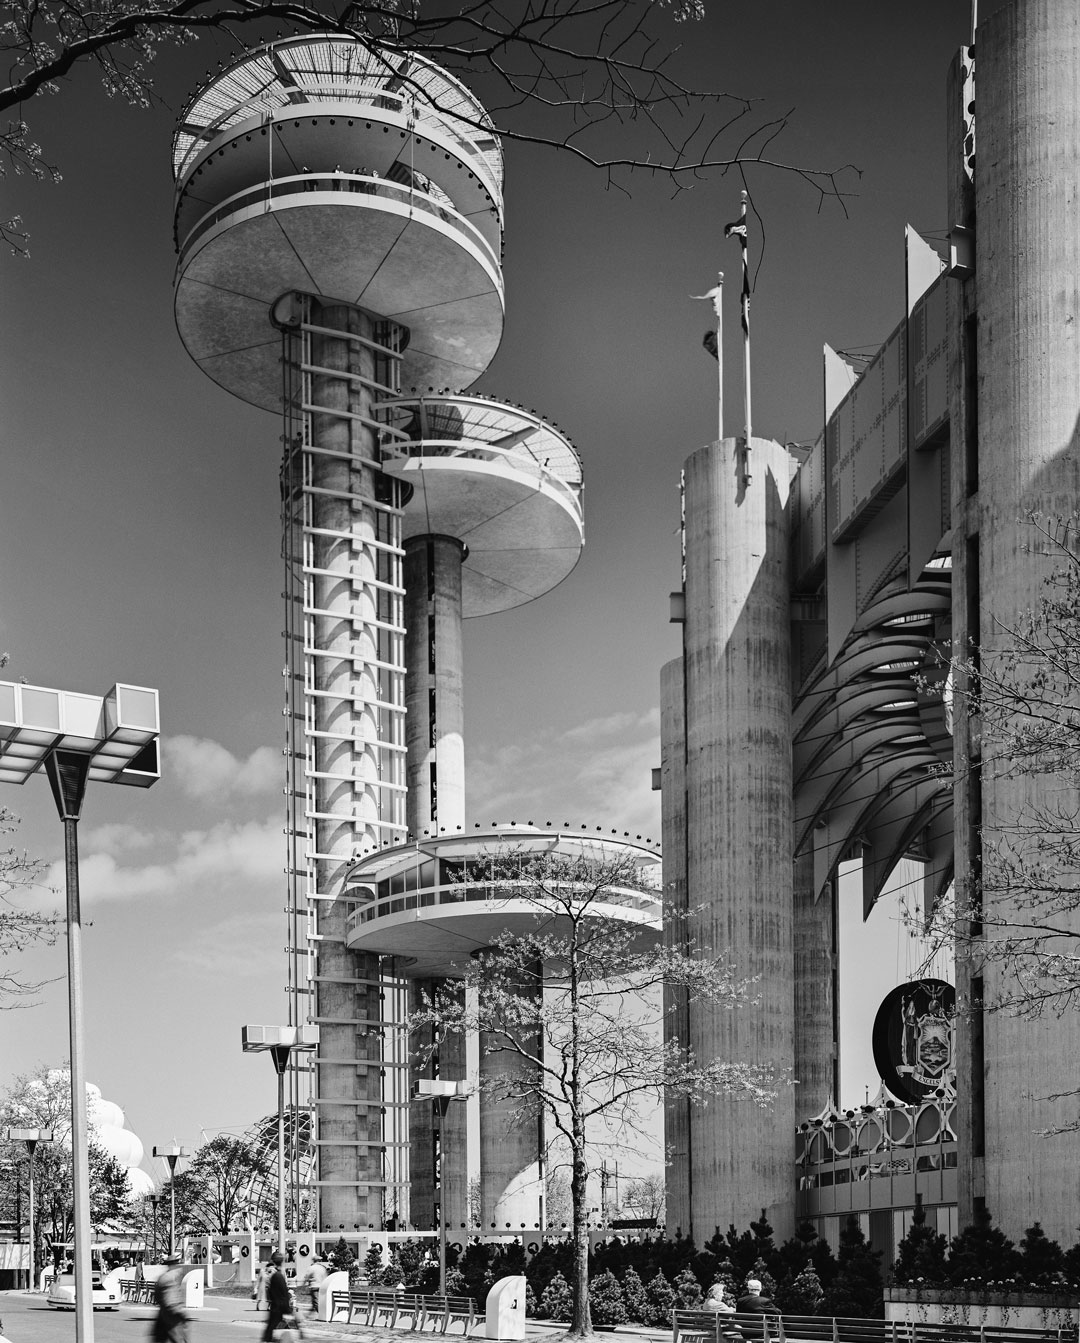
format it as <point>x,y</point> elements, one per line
<point>115,839</point>
<point>238,947</point>
<point>204,862</point>
<point>595,773</point>
<point>205,770</point>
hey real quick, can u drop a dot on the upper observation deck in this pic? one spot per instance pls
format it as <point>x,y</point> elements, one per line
<point>433,902</point>
<point>504,482</point>
<point>323,165</point>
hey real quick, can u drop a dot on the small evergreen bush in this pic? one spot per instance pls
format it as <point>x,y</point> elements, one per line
<point>606,1304</point>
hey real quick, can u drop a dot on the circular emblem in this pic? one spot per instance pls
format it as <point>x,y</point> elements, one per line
<point>244,1252</point>
<point>304,1251</point>
<point>913,1039</point>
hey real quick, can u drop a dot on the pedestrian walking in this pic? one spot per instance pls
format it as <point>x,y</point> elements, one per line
<point>279,1304</point>
<point>313,1279</point>
<point>171,1321</point>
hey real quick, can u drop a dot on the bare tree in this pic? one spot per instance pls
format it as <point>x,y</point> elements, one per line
<point>1020,913</point>
<point>576,1001</point>
<point>647,1196</point>
<point>20,927</point>
<point>577,69</point>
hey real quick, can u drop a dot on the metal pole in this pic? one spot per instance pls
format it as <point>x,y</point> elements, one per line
<point>172,1205</point>
<point>30,1145</point>
<point>80,1154</point>
<point>280,1055</point>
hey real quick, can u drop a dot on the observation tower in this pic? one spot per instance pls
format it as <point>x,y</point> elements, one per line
<point>338,224</point>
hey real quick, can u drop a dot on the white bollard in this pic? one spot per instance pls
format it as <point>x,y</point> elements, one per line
<point>505,1318</point>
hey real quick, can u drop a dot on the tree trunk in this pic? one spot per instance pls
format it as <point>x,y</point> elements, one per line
<point>581,1322</point>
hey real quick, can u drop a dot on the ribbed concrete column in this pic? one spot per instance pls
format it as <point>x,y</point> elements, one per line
<point>434,695</point>
<point>511,1187</point>
<point>435,773</point>
<point>347,992</point>
<point>678,1114</point>
<point>1028,386</point>
<point>815,948</point>
<point>738,790</point>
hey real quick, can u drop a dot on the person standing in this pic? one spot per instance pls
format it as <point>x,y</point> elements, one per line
<point>171,1321</point>
<point>278,1304</point>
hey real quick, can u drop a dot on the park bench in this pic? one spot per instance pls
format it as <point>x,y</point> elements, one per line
<point>706,1326</point>
<point>380,1307</point>
<point>131,1289</point>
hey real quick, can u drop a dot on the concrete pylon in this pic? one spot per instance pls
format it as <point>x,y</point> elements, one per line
<point>1018,364</point>
<point>738,786</point>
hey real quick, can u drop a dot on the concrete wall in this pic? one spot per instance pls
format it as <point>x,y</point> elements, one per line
<point>1027,381</point>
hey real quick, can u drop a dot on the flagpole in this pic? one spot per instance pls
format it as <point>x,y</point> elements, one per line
<point>720,355</point>
<point>746,340</point>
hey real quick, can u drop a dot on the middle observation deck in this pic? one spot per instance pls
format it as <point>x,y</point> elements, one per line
<point>498,478</point>
<point>432,902</point>
<point>328,166</point>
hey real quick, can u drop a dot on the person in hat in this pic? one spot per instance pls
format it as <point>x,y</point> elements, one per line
<point>278,1302</point>
<point>171,1321</point>
<point>752,1302</point>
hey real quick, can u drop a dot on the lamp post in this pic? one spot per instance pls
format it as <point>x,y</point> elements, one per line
<point>78,738</point>
<point>172,1155</point>
<point>30,1136</point>
<point>280,1041</point>
<point>441,1094</point>
<point>154,1200</point>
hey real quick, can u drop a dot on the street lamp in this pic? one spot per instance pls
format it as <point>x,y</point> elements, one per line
<point>154,1200</point>
<point>280,1041</point>
<point>77,738</point>
<point>441,1094</point>
<point>30,1136</point>
<point>172,1155</point>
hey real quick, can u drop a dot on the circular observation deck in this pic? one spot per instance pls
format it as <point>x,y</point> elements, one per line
<point>501,480</point>
<point>321,165</point>
<point>432,903</point>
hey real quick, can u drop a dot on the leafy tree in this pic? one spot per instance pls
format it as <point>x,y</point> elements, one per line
<point>582,71</point>
<point>982,1252</point>
<point>223,1187</point>
<point>554,999</point>
<point>43,1100</point>
<point>856,1289</point>
<point>19,927</point>
<point>555,1303</point>
<point>921,1255</point>
<point>661,1301</point>
<point>1042,1261</point>
<point>761,1273</point>
<point>633,1290</point>
<point>558,1205</point>
<point>805,1248</point>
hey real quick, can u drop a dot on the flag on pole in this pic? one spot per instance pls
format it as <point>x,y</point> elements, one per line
<point>737,229</point>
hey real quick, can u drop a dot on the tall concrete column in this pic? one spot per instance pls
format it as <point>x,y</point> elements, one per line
<point>434,694</point>
<point>1024,390</point>
<point>435,774</point>
<point>678,1112</point>
<point>511,1151</point>
<point>347,989</point>
<point>738,816</point>
<point>815,950</point>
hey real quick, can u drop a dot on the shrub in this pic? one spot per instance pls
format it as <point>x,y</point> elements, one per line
<point>660,1298</point>
<point>687,1290</point>
<point>606,1303</point>
<point>637,1303</point>
<point>556,1303</point>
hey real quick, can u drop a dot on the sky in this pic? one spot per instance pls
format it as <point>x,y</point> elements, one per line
<point>139,536</point>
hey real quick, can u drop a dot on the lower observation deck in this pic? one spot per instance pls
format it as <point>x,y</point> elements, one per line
<point>501,480</point>
<point>434,902</point>
<point>396,251</point>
